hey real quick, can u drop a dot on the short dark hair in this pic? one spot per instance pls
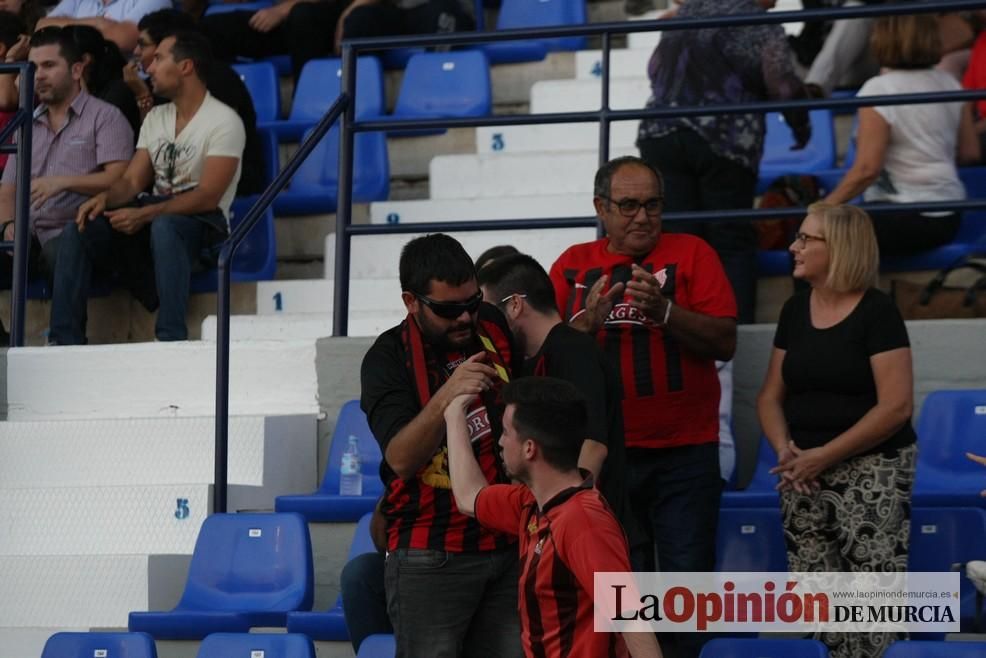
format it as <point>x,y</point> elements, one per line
<point>553,414</point>
<point>436,257</point>
<point>603,184</point>
<point>493,253</point>
<point>11,27</point>
<point>520,274</point>
<point>193,45</point>
<point>56,36</point>
<point>163,23</point>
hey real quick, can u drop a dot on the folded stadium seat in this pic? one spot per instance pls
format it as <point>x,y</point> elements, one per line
<point>261,81</point>
<point>755,648</point>
<point>440,85</point>
<point>942,538</point>
<point>326,505</point>
<point>318,87</point>
<point>256,258</point>
<point>750,539</point>
<point>247,570</point>
<point>109,645</point>
<point>918,649</point>
<point>330,626</point>
<point>951,424</point>
<point>761,491</point>
<point>778,158</point>
<point>223,7</point>
<point>377,646</point>
<point>515,14</point>
<point>262,645</point>
<point>315,186</point>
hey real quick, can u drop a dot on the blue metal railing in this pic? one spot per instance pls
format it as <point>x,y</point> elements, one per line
<point>344,110</point>
<point>22,124</point>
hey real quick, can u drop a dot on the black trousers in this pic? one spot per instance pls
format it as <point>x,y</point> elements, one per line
<point>697,178</point>
<point>907,233</point>
<point>386,20</point>
<point>305,34</point>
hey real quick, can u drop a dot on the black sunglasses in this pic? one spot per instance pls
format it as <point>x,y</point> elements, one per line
<point>452,310</point>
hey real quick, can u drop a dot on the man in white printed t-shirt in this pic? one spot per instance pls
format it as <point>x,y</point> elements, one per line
<point>190,150</point>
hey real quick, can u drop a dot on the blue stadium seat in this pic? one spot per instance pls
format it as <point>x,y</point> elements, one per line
<point>261,81</point>
<point>330,626</point>
<point>916,649</point>
<point>108,645</point>
<point>439,85</point>
<point>326,505</point>
<point>315,186</point>
<point>951,424</point>
<point>778,158</point>
<point>755,648</point>
<point>774,262</point>
<point>255,260</point>
<point>223,8</point>
<point>761,491</point>
<point>944,537</point>
<point>397,58</point>
<point>516,14</point>
<point>247,645</point>
<point>247,570</point>
<point>750,539</point>
<point>377,646</point>
<point>318,87</point>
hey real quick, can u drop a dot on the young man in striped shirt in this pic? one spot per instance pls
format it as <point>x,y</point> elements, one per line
<point>551,512</point>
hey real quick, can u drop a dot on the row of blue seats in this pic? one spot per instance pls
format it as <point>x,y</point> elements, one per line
<point>514,14</point>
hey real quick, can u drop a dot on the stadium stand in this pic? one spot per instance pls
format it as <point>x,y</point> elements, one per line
<point>761,490</point>
<point>750,539</point>
<point>377,646</point>
<point>248,645</point>
<point>261,81</point>
<point>516,14</point>
<point>110,645</point>
<point>952,423</point>
<point>437,85</point>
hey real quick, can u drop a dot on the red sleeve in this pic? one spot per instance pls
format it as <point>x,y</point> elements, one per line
<point>585,553</point>
<point>562,289</point>
<point>975,73</point>
<point>709,291</point>
<point>499,507</point>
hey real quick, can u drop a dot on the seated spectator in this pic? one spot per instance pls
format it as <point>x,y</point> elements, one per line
<point>102,75</point>
<point>11,33</point>
<point>222,82</point>
<point>116,20</point>
<point>28,11</point>
<point>298,28</point>
<point>80,146</point>
<point>190,150</point>
<point>381,18</point>
<point>907,153</point>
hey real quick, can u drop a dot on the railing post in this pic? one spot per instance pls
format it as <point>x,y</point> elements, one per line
<point>604,115</point>
<point>22,208</point>
<point>219,504</point>
<point>344,206</point>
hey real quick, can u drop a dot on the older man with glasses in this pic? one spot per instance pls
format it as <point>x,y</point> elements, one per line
<point>663,311</point>
<point>451,584</point>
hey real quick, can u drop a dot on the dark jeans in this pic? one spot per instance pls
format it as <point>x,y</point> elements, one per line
<point>446,605</point>
<point>909,233</point>
<point>40,261</point>
<point>160,255</point>
<point>305,34</point>
<point>384,19</point>
<point>696,178</point>
<point>364,597</point>
<point>675,495</point>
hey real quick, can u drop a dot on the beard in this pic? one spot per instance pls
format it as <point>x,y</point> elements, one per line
<point>441,337</point>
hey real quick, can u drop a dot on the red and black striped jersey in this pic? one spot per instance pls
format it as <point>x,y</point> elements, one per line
<point>559,559</point>
<point>670,396</point>
<point>421,511</point>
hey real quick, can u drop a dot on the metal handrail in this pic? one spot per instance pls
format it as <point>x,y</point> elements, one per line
<point>23,123</point>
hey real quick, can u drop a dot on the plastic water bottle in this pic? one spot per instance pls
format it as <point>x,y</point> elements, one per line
<point>350,475</point>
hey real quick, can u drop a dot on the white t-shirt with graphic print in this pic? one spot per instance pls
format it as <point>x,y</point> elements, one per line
<point>216,130</point>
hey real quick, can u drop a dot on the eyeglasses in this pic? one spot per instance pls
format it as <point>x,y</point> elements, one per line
<point>630,207</point>
<point>452,310</point>
<point>805,238</point>
<point>516,294</point>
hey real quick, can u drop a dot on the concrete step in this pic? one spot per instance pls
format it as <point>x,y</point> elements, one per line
<point>553,137</point>
<point>509,207</point>
<point>550,96</point>
<point>310,324</point>
<point>623,63</point>
<point>158,379</point>
<point>516,174</point>
<point>272,453</point>
<point>86,591</point>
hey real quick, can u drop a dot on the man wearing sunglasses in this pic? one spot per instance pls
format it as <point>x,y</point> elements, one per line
<point>451,584</point>
<point>662,309</point>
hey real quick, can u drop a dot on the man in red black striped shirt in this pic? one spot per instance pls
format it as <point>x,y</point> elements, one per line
<point>451,584</point>
<point>567,532</point>
<point>662,308</point>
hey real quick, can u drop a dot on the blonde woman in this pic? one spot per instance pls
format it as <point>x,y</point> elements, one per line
<point>836,406</point>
